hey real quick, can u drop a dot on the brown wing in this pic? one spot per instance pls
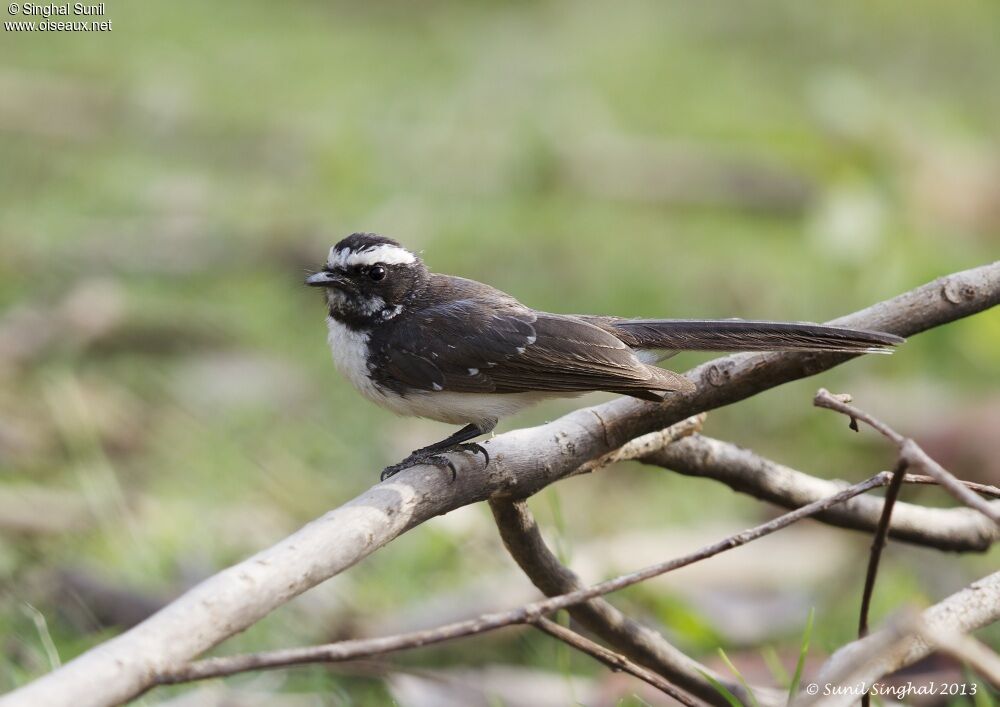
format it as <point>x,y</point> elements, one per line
<point>469,346</point>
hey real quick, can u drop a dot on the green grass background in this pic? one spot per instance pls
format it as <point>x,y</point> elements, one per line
<point>189,165</point>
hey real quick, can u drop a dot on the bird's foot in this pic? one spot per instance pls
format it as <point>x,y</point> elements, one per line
<point>415,459</point>
<point>475,448</point>
<point>435,458</point>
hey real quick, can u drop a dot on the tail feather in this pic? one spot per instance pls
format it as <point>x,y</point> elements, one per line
<point>745,335</point>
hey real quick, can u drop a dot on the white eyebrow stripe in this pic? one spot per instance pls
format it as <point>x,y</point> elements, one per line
<point>385,253</point>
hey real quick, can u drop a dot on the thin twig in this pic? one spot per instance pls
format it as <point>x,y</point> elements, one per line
<point>611,659</point>
<point>878,543</point>
<point>909,451</point>
<point>917,457</point>
<point>984,489</point>
<point>646,444</point>
<point>348,650</point>
<point>637,641</point>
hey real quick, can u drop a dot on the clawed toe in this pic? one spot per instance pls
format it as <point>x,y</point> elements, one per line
<point>441,462</point>
<point>390,471</point>
<point>476,448</point>
<point>438,460</point>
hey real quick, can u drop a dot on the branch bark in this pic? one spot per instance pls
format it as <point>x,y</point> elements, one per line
<point>954,529</point>
<point>524,461</point>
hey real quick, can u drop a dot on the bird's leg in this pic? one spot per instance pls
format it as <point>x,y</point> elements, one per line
<point>433,453</point>
<point>457,441</point>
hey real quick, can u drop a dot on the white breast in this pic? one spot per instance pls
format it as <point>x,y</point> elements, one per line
<point>350,355</point>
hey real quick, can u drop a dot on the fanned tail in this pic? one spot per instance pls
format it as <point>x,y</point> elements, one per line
<point>743,335</point>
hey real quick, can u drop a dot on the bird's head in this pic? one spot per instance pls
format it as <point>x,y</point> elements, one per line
<point>368,278</point>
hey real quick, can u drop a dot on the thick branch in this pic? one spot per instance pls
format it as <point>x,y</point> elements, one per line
<point>525,461</point>
<point>956,529</point>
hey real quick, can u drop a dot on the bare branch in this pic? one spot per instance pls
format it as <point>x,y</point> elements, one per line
<point>523,540</point>
<point>366,648</point>
<point>524,461</point>
<point>612,660</point>
<point>895,646</point>
<point>955,529</point>
<point>644,645</point>
<point>909,451</point>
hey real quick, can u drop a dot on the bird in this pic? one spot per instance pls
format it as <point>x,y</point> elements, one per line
<point>458,351</point>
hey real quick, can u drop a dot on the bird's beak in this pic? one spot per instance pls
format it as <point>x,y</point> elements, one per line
<point>324,278</point>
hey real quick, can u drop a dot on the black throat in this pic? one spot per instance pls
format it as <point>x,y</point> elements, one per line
<point>361,318</point>
<point>364,312</point>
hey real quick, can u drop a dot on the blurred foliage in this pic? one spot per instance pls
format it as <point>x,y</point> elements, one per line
<point>168,404</point>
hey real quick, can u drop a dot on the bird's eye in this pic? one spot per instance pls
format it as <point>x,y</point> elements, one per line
<point>376,272</point>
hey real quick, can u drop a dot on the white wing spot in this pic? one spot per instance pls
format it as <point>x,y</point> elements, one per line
<point>473,371</point>
<point>520,349</point>
<point>532,339</point>
<point>390,312</point>
<point>435,386</point>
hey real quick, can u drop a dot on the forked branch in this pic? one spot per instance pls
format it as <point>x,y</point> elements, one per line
<point>954,529</point>
<point>643,644</point>
<point>910,453</point>
<point>528,613</point>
